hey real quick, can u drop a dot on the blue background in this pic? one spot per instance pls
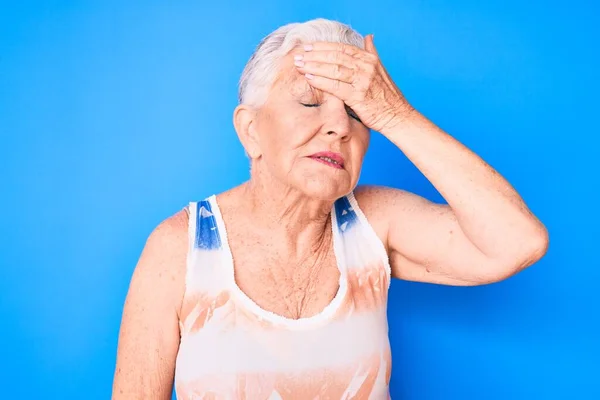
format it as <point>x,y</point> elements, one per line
<point>114,115</point>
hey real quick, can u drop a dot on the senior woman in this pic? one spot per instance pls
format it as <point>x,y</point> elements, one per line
<point>277,288</point>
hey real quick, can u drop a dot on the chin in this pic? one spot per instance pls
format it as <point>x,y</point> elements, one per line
<point>325,189</point>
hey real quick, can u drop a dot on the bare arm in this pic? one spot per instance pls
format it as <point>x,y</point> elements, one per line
<point>149,334</point>
<point>484,234</point>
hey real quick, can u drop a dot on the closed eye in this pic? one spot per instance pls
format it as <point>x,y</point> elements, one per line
<point>350,111</point>
<point>352,114</point>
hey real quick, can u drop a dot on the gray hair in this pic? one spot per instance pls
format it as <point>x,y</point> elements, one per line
<point>262,68</point>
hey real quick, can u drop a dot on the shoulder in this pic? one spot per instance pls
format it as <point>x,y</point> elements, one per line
<point>376,194</point>
<point>161,268</point>
<point>170,236</point>
<point>377,201</point>
<point>380,203</point>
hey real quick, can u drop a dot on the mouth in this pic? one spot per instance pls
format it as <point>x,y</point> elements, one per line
<point>334,160</point>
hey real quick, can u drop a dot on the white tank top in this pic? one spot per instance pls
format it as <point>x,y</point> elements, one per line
<point>233,349</point>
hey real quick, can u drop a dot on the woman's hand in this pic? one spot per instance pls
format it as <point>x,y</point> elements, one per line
<point>357,77</point>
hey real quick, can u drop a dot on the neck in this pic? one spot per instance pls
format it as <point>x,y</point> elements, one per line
<point>300,222</point>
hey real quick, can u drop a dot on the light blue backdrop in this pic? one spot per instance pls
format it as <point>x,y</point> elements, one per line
<point>113,115</point>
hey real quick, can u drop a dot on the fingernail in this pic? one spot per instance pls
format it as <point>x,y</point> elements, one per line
<point>309,76</point>
<point>298,57</point>
<point>299,63</point>
<point>308,47</point>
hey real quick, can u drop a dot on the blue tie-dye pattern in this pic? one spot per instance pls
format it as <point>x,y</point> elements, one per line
<point>207,232</point>
<point>346,217</point>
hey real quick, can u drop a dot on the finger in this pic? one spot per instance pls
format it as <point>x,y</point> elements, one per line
<point>334,46</point>
<point>331,57</point>
<point>332,71</point>
<point>339,89</point>
<point>370,44</point>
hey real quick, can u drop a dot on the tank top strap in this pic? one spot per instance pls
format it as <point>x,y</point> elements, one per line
<point>359,245</point>
<point>203,226</point>
<point>206,258</point>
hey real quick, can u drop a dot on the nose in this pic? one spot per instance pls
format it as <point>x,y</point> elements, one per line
<point>338,123</point>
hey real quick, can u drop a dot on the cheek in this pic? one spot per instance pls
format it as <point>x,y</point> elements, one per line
<point>359,148</point>
<point>284,141</point>
<point>290,135</point>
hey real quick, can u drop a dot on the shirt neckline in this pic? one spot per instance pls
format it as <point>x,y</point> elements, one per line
<point>305,322</point>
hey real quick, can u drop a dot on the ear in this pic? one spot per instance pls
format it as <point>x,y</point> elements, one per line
<point>243,121</point>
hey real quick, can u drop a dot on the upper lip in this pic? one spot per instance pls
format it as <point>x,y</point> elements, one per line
<point>337,157</point>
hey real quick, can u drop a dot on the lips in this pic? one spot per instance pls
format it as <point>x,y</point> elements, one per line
<point>334,160</point>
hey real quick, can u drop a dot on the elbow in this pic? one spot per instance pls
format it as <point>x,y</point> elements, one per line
<point>542,243</point>
<point>533,247</point>
<point>527,252</point>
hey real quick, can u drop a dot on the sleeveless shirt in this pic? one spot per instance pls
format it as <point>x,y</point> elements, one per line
<point>231,348</point>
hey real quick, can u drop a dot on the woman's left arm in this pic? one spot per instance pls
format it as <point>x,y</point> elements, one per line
<point>484,234</point>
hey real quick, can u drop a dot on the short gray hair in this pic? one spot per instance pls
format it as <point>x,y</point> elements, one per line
<point>262,68</point>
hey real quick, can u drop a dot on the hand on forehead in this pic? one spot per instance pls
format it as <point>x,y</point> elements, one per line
<point>295,82</point>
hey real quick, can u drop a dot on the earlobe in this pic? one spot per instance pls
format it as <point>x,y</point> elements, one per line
<point>243,121</point>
